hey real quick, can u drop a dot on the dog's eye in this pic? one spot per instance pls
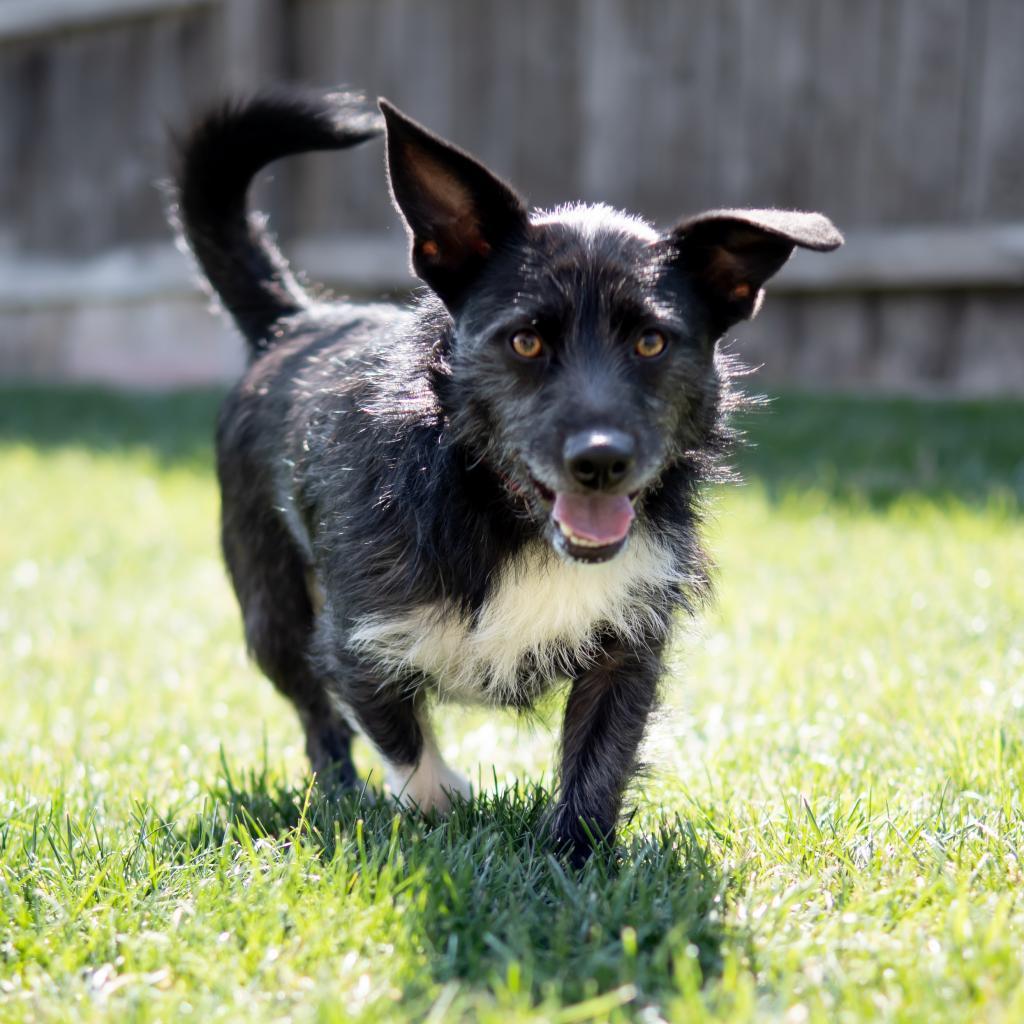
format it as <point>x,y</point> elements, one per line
<point>526,344</point>
<point>650,344</point>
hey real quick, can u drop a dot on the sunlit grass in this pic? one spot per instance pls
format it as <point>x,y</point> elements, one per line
<point>831,827</point>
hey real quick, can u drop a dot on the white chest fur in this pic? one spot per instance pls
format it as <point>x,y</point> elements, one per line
<point>543,612</point>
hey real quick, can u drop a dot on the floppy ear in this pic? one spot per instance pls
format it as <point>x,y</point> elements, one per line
<point>732,253</point>
<point>457,212</point>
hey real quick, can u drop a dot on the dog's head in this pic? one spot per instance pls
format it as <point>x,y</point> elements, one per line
<point>583,359</point>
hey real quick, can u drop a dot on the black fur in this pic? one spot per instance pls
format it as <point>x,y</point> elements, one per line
<point>376,460</point>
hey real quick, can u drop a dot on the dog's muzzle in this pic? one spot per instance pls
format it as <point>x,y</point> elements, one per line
<point>592,520</point>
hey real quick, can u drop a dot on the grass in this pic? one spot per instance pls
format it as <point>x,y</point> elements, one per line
<point>832,828</point>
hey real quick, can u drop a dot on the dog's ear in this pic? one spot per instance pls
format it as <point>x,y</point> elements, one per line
<point>732,253</point>
<point>456,210</point>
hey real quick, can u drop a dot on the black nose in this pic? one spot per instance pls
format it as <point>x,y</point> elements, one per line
<point>599,459</point>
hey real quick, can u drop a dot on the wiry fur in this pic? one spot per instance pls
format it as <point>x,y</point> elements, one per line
<point>387,473</point>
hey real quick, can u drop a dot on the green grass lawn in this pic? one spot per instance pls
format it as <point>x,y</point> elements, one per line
<point>832,827</point>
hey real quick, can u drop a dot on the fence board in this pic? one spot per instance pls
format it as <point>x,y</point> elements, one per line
<point>916,171</point>
<point>990,354</point>
<point>777,77</point>
<point>917,336</point>
<point>999,151</point>
<point>843,109</point>
<point>834,340</point>
<point>650,136</point>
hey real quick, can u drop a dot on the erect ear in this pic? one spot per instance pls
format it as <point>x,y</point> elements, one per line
<point>457,212</point>
<point>732,253</point>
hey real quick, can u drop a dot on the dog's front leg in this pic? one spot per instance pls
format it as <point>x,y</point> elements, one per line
<point>605,718</point>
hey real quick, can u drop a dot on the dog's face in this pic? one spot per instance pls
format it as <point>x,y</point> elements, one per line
<point>588,365</point>
<point>583,362</point>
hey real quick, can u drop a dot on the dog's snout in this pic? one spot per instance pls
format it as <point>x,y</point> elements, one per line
<point>599,459</point>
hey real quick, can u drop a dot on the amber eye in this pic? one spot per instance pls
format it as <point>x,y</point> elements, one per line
<point>526,344</point>
<point>650,344</point>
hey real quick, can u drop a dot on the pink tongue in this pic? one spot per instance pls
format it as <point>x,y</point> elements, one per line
<point>601,518</point>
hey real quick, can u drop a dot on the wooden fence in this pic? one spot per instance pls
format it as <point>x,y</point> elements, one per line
<point>903,119</point>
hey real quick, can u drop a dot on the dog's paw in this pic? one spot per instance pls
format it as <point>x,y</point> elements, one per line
<point>429,786</point>
<point>577,838</point>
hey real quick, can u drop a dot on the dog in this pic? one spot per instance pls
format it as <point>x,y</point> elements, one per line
<point>491,491</point>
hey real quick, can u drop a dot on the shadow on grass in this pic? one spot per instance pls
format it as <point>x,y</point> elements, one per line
<point>858,451</point>
<point>176,428</point>
<point>875,451</point>
<point>485,897</point>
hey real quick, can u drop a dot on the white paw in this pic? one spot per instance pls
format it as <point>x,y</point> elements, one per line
<point>429,786</point>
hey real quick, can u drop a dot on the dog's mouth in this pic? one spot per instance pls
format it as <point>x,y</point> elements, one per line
<point>589,527</point>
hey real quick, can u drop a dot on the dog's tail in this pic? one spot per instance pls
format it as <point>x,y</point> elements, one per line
<point>219,159</point>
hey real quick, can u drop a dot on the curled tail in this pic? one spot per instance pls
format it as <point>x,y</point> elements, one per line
<point>219,159</point>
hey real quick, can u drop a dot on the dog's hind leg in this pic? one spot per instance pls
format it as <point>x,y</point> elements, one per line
<point>270,579</point>
<point>393,718</point>
<point>430,783</point>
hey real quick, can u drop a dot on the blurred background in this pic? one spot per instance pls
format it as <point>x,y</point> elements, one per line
<point>901,119</point>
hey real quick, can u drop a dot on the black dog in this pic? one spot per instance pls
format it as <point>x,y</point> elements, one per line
<point>489,492</point>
